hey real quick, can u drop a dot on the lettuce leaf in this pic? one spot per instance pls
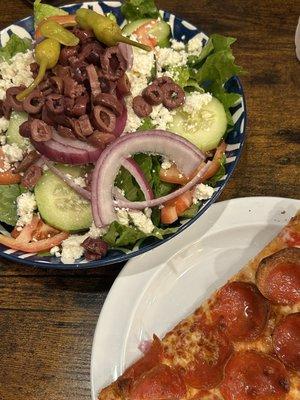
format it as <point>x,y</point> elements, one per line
<point>213,67</point>
<point>192,211</point>
<point>8,206</point>
<point>14,45</point>
<point>150,165</point>
<point>42,11</point>
<point>133,10</point>
<point>120,235</point>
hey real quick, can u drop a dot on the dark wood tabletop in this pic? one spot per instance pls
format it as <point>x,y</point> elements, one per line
<point>47,318</point>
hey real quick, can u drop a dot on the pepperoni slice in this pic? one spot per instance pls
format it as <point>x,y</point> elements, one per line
<point>286,341</point>
<point>209,351</point>
<point>278,276</point>
<point>160,383</point>
<point>241,311</point>
<point>251,375</point>
<point>151,358</point>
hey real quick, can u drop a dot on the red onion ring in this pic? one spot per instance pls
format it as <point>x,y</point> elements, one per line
<point>127,53</point>
<point>134,169</point>
<point>183,153</point>
<point>78,189</point>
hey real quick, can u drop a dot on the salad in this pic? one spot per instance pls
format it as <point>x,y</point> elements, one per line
<point>108,136</point>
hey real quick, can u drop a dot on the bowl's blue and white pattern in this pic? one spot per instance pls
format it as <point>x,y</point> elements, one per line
<point>181,30</point>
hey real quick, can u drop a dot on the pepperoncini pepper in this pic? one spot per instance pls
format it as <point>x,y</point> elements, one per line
<point>105,29</point>
<point>54,30</point>
<point>46,55</point>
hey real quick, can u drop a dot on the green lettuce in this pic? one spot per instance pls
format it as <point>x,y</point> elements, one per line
<point>42,11</point>
<point>150,166</point>
<point>133,10</point>
<point>147,124</point>
<point>213,67</point>
<point>14,45</point>
<point>120,235</point>
<point>192,211</point>
<point>8,206</point>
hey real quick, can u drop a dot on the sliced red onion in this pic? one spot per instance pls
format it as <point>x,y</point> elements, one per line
<point>140,205</point>
<point>59,152</point>
<point>127,53</point>
<point>121,121</point>
<point>297,40</point>
<point>78,189</point>
<point>172,146</point>
<point>134,169</point>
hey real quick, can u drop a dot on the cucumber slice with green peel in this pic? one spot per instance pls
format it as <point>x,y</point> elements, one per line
<point>59,205</point>
<point>204,128</point>
<point>12,135</point>
<point>161,31</point>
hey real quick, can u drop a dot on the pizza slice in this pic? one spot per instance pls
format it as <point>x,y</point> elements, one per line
<point>243,343</point>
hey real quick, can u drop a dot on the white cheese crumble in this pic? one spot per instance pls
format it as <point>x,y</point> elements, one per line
<point>141,221</point>
<point>166,57</point>
<point>195,101</point>
<point>55,251</point>
<point>177,45</point>
<point>202,192</point>
<point>12,152</point>
<point>161,116</point>
<point>26,205</point>
<point>166,164</point>
<point>122,216</point>
<point>95,232</point>
<point>194,45</point>
<point>3,124</point>
<point>143,62</point>
<point>80,181</point>
<point>71,248</point>
<point>16,72</point>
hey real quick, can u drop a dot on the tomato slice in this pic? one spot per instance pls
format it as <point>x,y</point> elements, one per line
<point>44,231</point>
<point>7,177</point>
<point>173,175</point>
<point>142,33</point>
<point>168,215</point>
<point>65,20</point>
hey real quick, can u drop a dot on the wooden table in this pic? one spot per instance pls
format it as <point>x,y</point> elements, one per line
<point>47,318</point>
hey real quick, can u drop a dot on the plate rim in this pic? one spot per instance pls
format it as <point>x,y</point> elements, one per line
<point>43,264</point>
<point>246,202</point>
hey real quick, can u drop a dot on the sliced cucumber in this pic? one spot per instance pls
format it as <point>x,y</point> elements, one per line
<point>161,31</point>
<point>12,134</point>
<point>59,205</point>
<point>205,128</point>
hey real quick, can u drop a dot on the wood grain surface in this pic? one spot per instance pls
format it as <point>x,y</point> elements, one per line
<point>47,318</point>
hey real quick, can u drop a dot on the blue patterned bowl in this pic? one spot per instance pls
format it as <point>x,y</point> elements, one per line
<point>235,140</point>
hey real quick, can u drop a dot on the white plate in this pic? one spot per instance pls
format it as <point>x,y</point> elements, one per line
<point>157,289</point>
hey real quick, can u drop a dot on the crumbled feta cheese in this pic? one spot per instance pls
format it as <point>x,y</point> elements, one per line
<point>122,216</point>
<point>169,57</point>
<point>12,152</point>
<point>166,164</point>
<point>55,251</point>
<point>137,82</point>
<point>194,45</point>
<point>143,62</point>
<point>95,232</point>
<point>177,45</point>
<point>2,140</point>
<point>202,192</point>
<point>148,212</point>
<point>79,181</point>
<point>26,205</point>
<point>16,72</point>
<point>3,124</point>
<point>195,101</point>
<point>161,116</point>
<point>72,249</point>
<point>141,221</point>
